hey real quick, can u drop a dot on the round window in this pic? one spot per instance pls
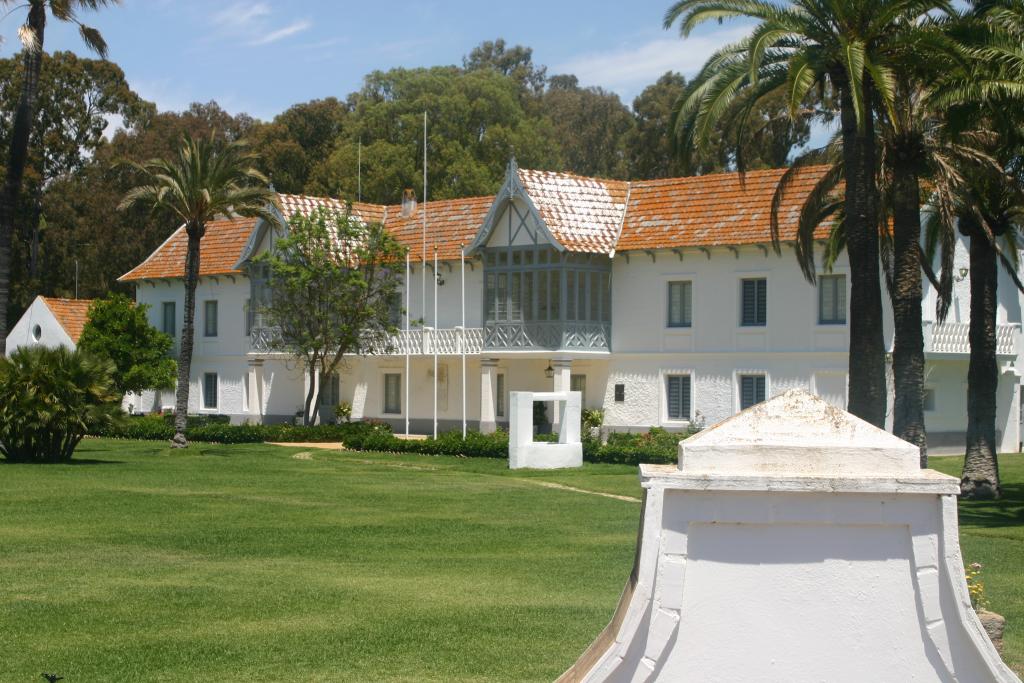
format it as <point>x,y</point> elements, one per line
<point>37,332</point>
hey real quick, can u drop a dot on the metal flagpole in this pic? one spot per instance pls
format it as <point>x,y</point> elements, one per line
<point>405,343</point>
<point>423,275</point>
<point>462,345</point>
<point>433,341</point>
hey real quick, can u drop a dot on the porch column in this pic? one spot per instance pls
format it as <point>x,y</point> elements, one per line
<point>561,382</point>
<point>255,396</point>
<point>488,373</point>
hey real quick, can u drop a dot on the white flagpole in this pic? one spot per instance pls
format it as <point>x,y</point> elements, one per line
<point>423,275</point>
<point>405,343</point>
<point>462,345</point>
<point>433,341</point>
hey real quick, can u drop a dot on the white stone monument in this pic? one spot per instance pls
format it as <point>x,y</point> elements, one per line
<point>524,452</point>
<point>795,543</point>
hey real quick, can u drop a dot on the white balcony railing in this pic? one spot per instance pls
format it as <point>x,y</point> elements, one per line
<point>419,342</point>
<point>954,338</point>
<point>426,341</point>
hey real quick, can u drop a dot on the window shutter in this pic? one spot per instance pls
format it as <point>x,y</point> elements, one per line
<point>687,303</point>
<point>674,396</point>
<point>762,302</point>
<point>749,295</point>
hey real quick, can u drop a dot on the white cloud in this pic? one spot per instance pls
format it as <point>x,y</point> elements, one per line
<point>252,24</point>
<point>282,33</point>
<point>628,69</point>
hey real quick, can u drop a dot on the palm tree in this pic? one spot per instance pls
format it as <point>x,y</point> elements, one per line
<point>31,34</point>
<point>844,49</point>
<point>988,92</point>
<point>207,179</point>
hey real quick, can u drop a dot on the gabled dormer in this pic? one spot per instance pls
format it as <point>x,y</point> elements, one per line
<point>546,245</point>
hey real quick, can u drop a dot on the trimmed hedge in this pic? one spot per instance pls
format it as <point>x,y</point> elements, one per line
<point>158,428</point>
<point>654,446</point>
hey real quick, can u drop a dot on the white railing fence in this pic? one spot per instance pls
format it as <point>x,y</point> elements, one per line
<point>955,338</point>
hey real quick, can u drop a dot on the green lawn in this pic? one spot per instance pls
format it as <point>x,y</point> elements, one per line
<point>246,563</point>
<point>992,533</point>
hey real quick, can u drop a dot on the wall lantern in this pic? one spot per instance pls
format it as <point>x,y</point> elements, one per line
<point>408,202</point>
<point>963,275</point>
<point>549,371</point>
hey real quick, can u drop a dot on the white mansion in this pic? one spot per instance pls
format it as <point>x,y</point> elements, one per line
<point>662,301</point>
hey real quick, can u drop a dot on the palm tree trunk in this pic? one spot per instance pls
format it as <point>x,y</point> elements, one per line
<point>18,155</point>
<point>187,336</point>
<point>307,414</point>
<point>867,394</point>
<point>980,477</point>
<point>908,345</point>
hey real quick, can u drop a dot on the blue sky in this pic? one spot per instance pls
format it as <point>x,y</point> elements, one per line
<point>262,56</point>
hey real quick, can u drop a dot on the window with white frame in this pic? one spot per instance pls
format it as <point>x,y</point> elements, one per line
<point>330,389</point>
<point>169,318</point>
<point>210,387</point>
<point>210,319</point>
<point>579,383</point>
<point>499,398</point>
<point>751,390</point>
<point>754,304</point>
<point>678,397</point>
<point>832,300</point>
<point>392,393</point>
<point>680,303</point>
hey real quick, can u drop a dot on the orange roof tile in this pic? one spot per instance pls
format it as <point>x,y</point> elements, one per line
<point>70,313</point>
<point>712,210</point>
<point>451,223</point>
<point>219,251</point>
<point>583,214</point>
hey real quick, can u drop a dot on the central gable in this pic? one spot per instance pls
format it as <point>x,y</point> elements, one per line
<point>568,212</point>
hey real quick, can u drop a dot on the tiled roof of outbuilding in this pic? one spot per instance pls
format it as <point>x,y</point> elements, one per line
<point>713,210</point>
<point>72,314</point>
<point>218,251</point>
<point>583,214</point>
<point>292,204</point>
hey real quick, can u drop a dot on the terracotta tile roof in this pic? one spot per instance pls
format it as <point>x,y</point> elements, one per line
<point>584,214</point>
<point>710,210</point>
<point>292,204</point>
<point>219,251</point>
<point>70,313</point>
<point>451,223</point>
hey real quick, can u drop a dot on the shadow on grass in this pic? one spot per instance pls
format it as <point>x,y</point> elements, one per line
<point>1008,510</point>
<point>73,461</point>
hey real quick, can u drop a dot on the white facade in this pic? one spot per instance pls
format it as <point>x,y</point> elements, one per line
<point>635,361</point>
<point>49,322</point>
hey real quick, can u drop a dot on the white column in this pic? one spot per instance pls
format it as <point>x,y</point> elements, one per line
<point>255,397</point>
<point>560,382</point>
<point>488,380</point>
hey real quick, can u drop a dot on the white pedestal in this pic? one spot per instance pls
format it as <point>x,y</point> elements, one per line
<point>797,543</point>
<point>524,452</point>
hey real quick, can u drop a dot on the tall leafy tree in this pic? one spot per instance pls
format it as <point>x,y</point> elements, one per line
<point>592,126</point>
<point>207,178</point>
<point>334,287</point>
<point>76,98</point>
<point>845,50</point>
<point>32,33</point>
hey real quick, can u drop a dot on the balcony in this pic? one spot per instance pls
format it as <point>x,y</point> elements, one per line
<point>953,338</point>
<point>547,336</point>
<point>419,342</point>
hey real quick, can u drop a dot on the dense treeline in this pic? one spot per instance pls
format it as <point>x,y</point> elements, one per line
<point>496,105</point>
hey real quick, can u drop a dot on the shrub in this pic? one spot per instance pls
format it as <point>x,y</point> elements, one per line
<point>50,399</point>
<point>215,429</point>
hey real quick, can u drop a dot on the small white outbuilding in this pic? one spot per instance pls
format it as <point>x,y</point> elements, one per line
<point>50,322</point>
